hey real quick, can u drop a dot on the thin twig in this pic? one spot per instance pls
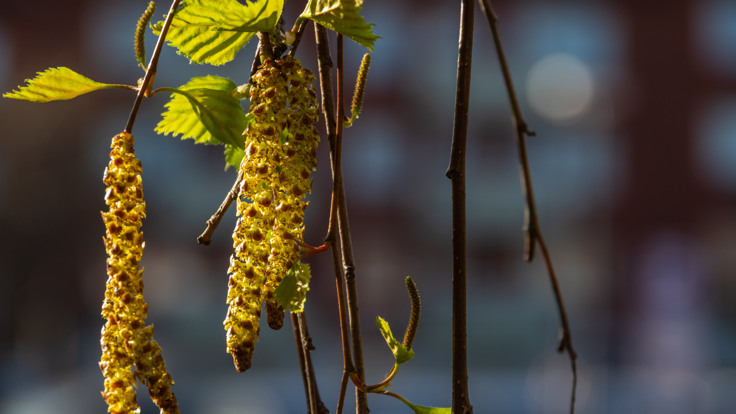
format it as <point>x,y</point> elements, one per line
<point>532,230</point>
<point>301,352</point>
<point>304,348</point>
<point>522,130</point>
<point>324,62</point>
<point>298,37</point>
<point>311,376</point>
<point>151,71</point>
<point>214,221</point>
<point>343,389</point>
<point>456,173</point>
<point>346,244</point>
<point>566,340</point>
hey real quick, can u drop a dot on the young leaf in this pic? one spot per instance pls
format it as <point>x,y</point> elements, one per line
<point>204,111</point>
<point>213,31</point>
<point>233,156</point>
<point>342,16</point>
<point>291,293</point>
<point>418,409</point>
<point>56,84</point>
<point>401,353</point>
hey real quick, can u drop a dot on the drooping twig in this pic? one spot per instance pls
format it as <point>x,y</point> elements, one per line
<point>456,173</point>
<point>328,109</point>
<point>301,354</point>
<point>214,221</point>
<point>151,71</point>
<point>532,230</point>
<point>346,244</point>
<point>305,347</point>
<point>522,130</point>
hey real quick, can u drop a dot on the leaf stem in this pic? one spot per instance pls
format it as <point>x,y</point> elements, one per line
<point>151,71</point>
<point>386,382</point>
<point>532,230</point>
<point>456,173</point>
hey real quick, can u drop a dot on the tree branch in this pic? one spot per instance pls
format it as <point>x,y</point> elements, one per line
<point>456,173</point>
<point>532,230</point>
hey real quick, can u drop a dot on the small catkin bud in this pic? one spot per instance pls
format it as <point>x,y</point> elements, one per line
<point>125,340</point>
<point>357,105</point>
<point>140,31</point>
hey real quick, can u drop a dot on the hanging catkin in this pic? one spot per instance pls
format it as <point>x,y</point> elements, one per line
<point>128,348</point>
<point>280,154</point>
<point>263,154</point>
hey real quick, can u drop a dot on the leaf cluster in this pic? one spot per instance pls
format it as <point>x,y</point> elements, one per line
<point>206,109</point>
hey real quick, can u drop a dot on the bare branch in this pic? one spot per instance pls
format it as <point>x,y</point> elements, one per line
<point>456,173</point>
<point>532,230</point>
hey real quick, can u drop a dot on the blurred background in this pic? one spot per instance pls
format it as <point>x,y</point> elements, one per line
<point>633,165</point>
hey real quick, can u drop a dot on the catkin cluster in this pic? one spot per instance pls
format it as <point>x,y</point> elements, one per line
<point>280,156</point>
<point>128,348</point>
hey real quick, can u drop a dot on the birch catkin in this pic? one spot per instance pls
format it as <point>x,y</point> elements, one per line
<point>128,348</point>
<point>280,155</point>
<point>255,213</point>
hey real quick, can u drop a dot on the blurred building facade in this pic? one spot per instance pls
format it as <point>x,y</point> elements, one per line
<point>634,167</point>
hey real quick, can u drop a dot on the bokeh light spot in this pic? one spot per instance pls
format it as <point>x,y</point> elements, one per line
<point>560,87</point>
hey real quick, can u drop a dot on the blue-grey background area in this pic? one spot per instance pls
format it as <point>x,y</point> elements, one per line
<point>634,168</point>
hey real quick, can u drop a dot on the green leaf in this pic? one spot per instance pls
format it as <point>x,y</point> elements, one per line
<point>213,31</point>
<point>342,16</point>
<point>204,111</point>
<point>233,156</point>
<point>291,293</point>
<point>401,353</point>
<point>418,409</point>
<point>56,84</point>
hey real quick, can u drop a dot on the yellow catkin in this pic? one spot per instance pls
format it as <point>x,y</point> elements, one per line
<point>128,348</point>
<point>280,154</point>
<point>248,263</point>
<point>294,182</point>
